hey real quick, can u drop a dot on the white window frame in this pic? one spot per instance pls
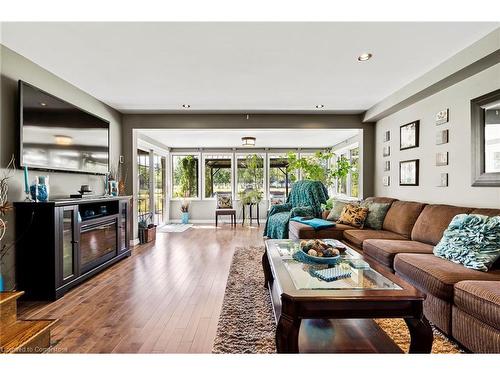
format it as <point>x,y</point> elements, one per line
<point>265,166</point>
<point>232,158</point>
<point>171,190</point>
<point>346,151</point>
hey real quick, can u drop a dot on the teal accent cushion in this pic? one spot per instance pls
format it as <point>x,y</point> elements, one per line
<point>337,207</point>
<point>471,240</point>
<point>376,214</point>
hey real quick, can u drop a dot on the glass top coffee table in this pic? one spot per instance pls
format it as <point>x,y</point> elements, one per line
<point>362,294</point>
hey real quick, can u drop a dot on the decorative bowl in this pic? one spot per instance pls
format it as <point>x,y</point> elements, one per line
<point>303,256</point>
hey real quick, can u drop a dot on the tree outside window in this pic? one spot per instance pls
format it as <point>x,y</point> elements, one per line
<point>354,156</point>
<point>280,178</point>
<point>217,175</point>
<point>250,176</point>
<point>185,176</point>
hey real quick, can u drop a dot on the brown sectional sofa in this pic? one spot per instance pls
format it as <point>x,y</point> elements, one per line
<point>463,303</point>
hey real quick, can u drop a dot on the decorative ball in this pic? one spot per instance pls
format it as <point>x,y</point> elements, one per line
<point>312,253</point>
<point>328,253</point>
<point>310,243</point>
<point>303,243</point>
<point>335,252</point>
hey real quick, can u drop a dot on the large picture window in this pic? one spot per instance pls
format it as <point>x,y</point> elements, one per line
<point>250,173</point>
<point>354,175</point>
<point>218,174</point>
<point>185,176</point>
<point>280,179</point>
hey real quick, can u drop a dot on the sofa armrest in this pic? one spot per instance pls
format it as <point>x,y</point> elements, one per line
<point>302,211</point>
<point>279,208</point>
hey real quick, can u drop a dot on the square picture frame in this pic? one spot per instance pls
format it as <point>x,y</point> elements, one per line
<point>387,166</point>
<point>386,180</point>
<point>443,180</point>
<point>409,172</point>
<point>409,135</point>
<point>442,137</point>
<point>442,117</point>
<point>387,136</point>
<point>386,151</point>
<point>442,158</point>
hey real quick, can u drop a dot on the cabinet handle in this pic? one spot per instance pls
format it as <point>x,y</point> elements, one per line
<point>74,241</point>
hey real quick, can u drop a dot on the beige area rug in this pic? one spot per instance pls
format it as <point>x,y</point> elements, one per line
<point>247,325</point>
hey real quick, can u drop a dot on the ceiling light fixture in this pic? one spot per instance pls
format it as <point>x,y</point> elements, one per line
<point>186,106</point>
<point>365,57</point>
<point>63,140</point>
<point>319,106</point>
<point>248,141</point>
<point>43,104</point>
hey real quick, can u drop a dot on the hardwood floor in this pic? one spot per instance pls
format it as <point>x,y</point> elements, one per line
<point>165,298</point>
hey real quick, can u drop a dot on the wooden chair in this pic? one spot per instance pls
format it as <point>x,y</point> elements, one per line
<point>225,208</point>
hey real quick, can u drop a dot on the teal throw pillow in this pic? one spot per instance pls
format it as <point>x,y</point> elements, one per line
<point>471,240</point>
<point>376,214</point>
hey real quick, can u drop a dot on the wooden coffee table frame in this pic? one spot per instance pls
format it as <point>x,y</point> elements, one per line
<point>297,305</point>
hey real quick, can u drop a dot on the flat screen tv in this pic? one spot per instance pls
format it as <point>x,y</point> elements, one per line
<point>57,135</point>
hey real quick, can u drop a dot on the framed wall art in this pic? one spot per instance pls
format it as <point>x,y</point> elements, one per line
<point>442,137</point>
<point>409,172</point>
<point>442,116</point>
<point>408,135</point>
<point>441,159</point>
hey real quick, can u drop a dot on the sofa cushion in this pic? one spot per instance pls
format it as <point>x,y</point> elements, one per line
<point>480,299</point>
<point>433,221</point>
<point>353,215</point>
<point>471,240</point>
<point>302,231</point>
<point>379,200</point>
<point>384,251</point>
<point>435,275</point>
<point>402,216</point>
<point>357,236</point>
<point>376,214</point>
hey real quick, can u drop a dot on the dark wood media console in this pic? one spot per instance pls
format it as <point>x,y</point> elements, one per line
<point>62,243</point>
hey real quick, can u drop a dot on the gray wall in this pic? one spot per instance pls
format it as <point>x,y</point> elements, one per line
<point>459,192</point>
<point>13,68</point>
<point>220,121</point>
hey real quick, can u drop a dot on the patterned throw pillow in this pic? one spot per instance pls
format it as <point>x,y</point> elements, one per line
<point>376,214</point>
<point>336,210</point>
<point>224,201</point>
<point>353,215</point>
<point>471,240</point>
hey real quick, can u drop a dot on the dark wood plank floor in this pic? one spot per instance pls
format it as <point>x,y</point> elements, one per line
<point>165,298</point>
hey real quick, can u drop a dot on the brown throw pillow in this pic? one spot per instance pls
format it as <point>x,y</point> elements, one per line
<point>353,215</point>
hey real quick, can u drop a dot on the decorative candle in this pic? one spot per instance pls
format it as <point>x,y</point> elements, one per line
<point>26,184</point>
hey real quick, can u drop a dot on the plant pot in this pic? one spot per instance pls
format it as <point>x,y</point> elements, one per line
<point>185,217</point>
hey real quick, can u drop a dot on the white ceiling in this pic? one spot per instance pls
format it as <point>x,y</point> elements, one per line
<point>273,138</point>
<point>242,67</point>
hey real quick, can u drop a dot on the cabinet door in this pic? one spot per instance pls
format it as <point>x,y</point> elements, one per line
<point>69,232</point>
<point>123,226</point>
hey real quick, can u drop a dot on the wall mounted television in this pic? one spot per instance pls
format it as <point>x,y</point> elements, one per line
<point>56,135</point>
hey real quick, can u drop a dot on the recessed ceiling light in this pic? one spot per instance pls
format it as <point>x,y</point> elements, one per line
<point>43,104</point>
<point>365,57</point>
<point>186,106</point>
<point>319,106</point>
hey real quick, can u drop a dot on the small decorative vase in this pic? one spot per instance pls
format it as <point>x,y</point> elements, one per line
<point>1,283</point>
<point>113,188</point>
<point>185,217</point>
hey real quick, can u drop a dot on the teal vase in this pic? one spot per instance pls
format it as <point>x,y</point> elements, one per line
<point>1,283</point>
<point>185,217</point>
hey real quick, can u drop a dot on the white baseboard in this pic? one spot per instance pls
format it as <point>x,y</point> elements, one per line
<point>134,242</point>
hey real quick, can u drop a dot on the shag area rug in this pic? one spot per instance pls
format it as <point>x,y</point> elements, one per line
<point>246,323</point>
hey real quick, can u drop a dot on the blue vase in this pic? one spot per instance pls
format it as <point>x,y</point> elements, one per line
<point>1,283</point>
<point>185,217</point>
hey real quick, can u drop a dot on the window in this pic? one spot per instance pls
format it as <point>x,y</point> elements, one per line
<point>280,180</point>
<point>354,174</point>
<point>218,176</point>
<point>185,176</point>
<point>143,171</point>
<point>250,173</point>
<point>159,188</point>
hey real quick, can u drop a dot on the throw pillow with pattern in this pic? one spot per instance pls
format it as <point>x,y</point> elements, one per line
<point>376,214</point>
<point>224,201</point>
<point>336,210</point>
<point>471,240</point>
<point>353,215</point>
